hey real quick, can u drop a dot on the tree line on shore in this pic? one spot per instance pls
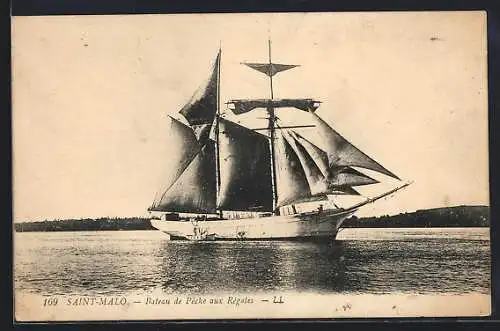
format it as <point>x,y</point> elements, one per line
<point>460,216</point>
<point>86,224</point>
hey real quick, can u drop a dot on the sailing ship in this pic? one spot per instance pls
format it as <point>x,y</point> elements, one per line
<point>233,182</point>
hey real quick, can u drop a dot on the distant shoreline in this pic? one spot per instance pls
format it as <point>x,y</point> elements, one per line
<point>459,216</point>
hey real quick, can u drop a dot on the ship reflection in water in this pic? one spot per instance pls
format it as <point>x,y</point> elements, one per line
<point>251,266</point>
<point>379,261</point>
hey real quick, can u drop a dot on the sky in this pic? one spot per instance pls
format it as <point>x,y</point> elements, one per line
<point>91,95</point>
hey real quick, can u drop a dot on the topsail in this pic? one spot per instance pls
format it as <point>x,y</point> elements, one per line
<point>270,69</point>
<point>202,106</point>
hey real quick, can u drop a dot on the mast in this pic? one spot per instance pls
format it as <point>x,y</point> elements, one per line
<point>217,115</point>
<point>270,110</point>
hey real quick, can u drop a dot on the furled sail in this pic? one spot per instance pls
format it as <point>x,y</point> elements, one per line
<point>245,175</point>
<point>291,180</point>
<point>342,153</point>
<point>241,106</point>
<point>183,149</point>
<point>202,106</point>
<point>195,189</point>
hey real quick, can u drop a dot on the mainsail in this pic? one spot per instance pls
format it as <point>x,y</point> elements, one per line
<point>245,174</point>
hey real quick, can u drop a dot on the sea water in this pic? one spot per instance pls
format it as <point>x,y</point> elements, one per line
<point>361,261</point>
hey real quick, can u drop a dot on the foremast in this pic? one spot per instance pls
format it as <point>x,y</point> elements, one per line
<point>216,129</point>
<point>271,126</point>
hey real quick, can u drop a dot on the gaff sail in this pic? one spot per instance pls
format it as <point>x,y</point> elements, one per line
<point>245,175</point>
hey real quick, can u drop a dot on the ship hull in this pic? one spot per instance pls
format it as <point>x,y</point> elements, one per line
<point>310,226</point>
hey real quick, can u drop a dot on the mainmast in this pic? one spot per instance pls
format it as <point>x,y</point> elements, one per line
<point>271,125</point>
<point>271,69</point>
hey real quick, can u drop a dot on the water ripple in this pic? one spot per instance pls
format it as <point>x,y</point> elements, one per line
<point>377,261</point>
